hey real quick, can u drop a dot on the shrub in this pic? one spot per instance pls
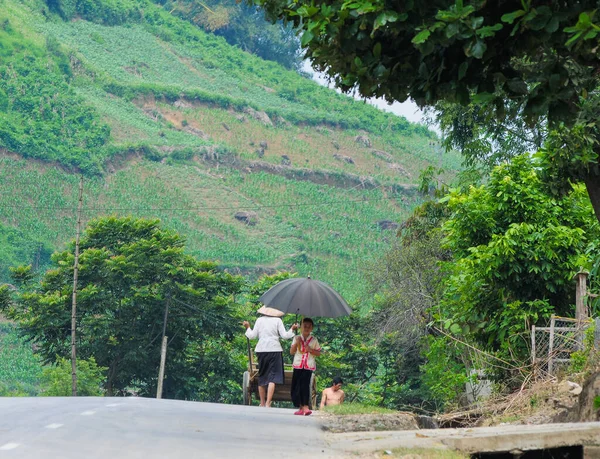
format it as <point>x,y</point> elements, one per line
<point>57,380</point>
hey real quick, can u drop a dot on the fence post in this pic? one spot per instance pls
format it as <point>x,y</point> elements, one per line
<point>533,348</point>
<point>581,312</point>
<point>551,346</point>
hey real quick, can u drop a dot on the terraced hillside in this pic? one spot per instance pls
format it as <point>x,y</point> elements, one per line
<point>167,121</point>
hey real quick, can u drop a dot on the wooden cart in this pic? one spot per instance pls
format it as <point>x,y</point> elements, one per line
<point>282,391</point>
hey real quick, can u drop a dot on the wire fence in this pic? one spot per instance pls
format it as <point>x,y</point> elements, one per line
<point>551,347</point>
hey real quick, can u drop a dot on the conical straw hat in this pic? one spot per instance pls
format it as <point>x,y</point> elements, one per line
<point>272,312</point>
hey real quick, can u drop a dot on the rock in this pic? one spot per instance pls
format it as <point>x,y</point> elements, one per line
<point>226,127</point>
<point>400,169</point>
<point>587,410</point>
<point>259,116</point>
<point>426,422</point>
<point>335,144</point>
<point>181,103</point>
<point>382,155</point>
<point>248,217</point>
<point>263,144</point>
<point>260,152</point>
<point>241,118</point>
<point>285,160</point>
<point>324,130</point>
<point>344,158</point>
<point>364,140</point>
<point>281,121</point>
<point>575,388</point>
<point>387,224</point>
<point>196,132</point>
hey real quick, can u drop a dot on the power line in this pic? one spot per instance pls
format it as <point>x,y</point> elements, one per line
<point>181,209</point>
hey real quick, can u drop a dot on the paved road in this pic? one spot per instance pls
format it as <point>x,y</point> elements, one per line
<point>128,428</point>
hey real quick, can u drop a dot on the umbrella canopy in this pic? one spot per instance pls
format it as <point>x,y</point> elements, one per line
<point>306,296</point>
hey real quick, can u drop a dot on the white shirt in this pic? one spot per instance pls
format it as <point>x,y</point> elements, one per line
<point>268,330</point>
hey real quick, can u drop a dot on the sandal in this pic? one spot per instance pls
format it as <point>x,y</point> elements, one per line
<point>299,413</point>
<point>307,413</point>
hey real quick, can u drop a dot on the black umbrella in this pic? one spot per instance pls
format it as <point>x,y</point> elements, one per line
<point>306,296</point>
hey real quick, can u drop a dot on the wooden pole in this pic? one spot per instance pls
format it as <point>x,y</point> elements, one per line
<point>161,373</point>
<point>74,302</point>
<point>163,351</point>
<point>533,347</point>
<point>551,346</point>
<point>249,358</point>
<point>580,294</point>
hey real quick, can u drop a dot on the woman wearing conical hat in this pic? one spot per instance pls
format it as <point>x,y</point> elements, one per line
<point>268,329</point>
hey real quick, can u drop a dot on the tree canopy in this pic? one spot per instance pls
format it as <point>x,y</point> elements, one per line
<point>538,51</point>
<point>130,270</point>
<point>515,250</point>
<point>534,59</point>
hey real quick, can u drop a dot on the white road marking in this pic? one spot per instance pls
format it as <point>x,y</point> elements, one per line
<point>114,404</point>
<point>53,426</point>
<point>88,413</point>
<point>8,446</point>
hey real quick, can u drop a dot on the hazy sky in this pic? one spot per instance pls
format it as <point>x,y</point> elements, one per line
<point>407,109</point>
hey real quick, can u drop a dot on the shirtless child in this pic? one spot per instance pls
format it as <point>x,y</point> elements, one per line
<point>333,395</point>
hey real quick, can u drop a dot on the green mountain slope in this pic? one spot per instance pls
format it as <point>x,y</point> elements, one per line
<point>167,121</point>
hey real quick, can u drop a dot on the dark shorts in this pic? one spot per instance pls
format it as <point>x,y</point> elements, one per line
<point>270,368</point>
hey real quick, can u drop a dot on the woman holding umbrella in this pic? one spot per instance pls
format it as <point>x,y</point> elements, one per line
<point>269,328</point>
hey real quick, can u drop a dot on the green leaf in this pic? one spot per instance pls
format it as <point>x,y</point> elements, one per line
<point>307,37</point>
<point>478,49</point>
<point>489,31</point>
<point>541,19</point>
<point>552,25</point>
<point>456,329</point>
<point>377,50</point>
<point>421,37</point>
<point>511,17</point>
<point>483,97</point>
<point>476,22</point>
<point>452,29</point>
<point>517,86</point>
<point>462,70</point>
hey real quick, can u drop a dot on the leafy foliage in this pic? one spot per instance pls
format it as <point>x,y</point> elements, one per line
<point>243,26</point>
<point>40,115</point>
<point>130,270</point>
<point>541,53</point>
<point>57,379</point>
<point>20,369</point>
<point>516,249</point>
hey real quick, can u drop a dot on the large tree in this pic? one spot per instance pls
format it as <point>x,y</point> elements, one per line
<point>538,59</point>
<point>130,270</point>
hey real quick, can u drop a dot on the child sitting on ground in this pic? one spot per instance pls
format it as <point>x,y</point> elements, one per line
<point>305,348</point>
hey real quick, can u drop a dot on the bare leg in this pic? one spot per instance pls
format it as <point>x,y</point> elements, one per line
<point>270,393</point>
<point>261,393</point>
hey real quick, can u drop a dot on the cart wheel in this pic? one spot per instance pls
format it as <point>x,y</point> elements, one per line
<point>246,389</point>
<point>313,392</point>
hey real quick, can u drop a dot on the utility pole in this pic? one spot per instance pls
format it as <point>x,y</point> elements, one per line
<point>163,352</point>
<point>74,305</point>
